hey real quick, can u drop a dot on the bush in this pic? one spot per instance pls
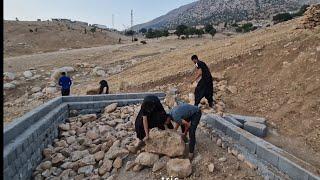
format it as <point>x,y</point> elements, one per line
<point>143,30</point>
<point>208,28</point>
<point>135,39</point>
<point>246,28</point>
<point>282,17</point>
<point>143,42</point>
<point>156,33</point>
<point>129,33</point>
<point>213,32</point>
<point>180,30</point>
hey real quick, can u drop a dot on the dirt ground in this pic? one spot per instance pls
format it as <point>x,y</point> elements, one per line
<point>276,72</point>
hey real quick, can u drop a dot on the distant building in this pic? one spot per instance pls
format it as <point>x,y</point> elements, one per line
<point>172,31</point>
<point>199,26</point>
<point>100,26</point>
<point>61,20</point>
<point>39,20</point>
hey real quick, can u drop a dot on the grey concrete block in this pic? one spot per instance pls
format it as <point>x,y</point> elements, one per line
<point>256,128</point>
<point>266,152</point>
<point>313,177</point>
<point>233,133</point>
<point>77,98</point>
<point>293,170</point>
<point>243,119</point>
<point>249,141</point>
<point>233,121</point>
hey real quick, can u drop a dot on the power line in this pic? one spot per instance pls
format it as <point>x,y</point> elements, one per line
<point>131,18</point>
<point>113,21</point>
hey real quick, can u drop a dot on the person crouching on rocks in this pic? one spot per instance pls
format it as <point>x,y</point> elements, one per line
<point>151,115</point>
<point>103,84</point>
<point>188,117</point>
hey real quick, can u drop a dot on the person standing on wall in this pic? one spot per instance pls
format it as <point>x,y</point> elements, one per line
<point>65,83</point>
<point>205,82</point>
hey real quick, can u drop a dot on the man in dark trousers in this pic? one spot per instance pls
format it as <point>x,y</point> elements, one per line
<point>205,84</point>
<point>65,83</point>
<point>187,116</point>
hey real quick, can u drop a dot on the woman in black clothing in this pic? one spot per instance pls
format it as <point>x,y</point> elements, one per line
<point>151,115</point>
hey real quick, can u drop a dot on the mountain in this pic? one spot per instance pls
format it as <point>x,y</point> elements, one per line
<point>217,11</point>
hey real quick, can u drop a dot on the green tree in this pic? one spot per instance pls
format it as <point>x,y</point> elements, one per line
<point>180,30</point>
<point>199,32</point>
<point>143,30</point>
<point>213,32</point>
<point>208,28</point>
<point>282,17</point>
<point>130,33</point>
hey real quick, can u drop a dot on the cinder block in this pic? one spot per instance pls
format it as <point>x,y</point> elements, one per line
<point>233,121</point>
<point>257,129</point>
<point>219,123</point>
<point>293,170</point>
<point>313,177</point>
<point>77,98</point>
<point>243,119</point>
<point>249,141</point>
<point>266,151</point>
<point>232,132</point>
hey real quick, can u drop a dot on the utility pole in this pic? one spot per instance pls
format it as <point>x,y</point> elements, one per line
<point>132,23</point>
<point>113,21</point>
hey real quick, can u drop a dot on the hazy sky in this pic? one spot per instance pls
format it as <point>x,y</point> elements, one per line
<point>91,11</point>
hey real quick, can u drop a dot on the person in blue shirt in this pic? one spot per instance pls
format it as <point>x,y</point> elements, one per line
<point>187,116</point>
<point>65,83</point>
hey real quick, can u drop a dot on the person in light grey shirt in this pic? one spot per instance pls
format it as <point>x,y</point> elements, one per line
<point>187,116</point>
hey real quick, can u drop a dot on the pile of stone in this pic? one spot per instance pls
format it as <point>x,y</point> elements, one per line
<point>311,18</point>
<point>97,147</point>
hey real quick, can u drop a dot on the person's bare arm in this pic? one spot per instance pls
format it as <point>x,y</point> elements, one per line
<point>145,126</point>
<point>176,127</point>
<point>198,74</point>
<point>186,125</point>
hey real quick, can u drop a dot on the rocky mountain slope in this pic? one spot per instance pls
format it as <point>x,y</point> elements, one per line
<point>217,11</point>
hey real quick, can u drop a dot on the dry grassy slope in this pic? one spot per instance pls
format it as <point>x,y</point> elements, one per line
<point>50,36</point>
<point>276,70</point>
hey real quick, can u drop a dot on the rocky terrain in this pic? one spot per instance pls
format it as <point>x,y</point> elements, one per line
<point>30,37</point>
<point>105,147</point>
<point>220,11</point>
<point>272,72</point>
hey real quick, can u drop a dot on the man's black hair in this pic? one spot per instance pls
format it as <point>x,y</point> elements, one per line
<point>63,73</point>
<point>194,57</point>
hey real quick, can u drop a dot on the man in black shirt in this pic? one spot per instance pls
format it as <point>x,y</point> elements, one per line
<point>205,84</point>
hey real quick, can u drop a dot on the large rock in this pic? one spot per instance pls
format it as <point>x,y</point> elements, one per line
<point>180,168</point>
<point>167,142</point>
<point>110,108</point>
<point>99,71</point>
<point>87,118</point>
<point>57,72</point>
<point>161,163</point>
<point>92,90</point>
<point>147,159</point>
<point>106,167</point>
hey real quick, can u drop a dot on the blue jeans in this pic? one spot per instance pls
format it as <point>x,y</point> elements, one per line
<point>195,119</point>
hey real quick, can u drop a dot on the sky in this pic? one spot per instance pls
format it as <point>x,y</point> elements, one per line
<point>91,11</point>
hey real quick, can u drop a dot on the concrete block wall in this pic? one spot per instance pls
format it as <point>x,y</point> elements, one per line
<point>279,159</point>
<point>26,137</point>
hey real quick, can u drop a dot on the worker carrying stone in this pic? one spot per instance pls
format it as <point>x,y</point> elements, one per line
<point>65,83</point>
<point>204,82</point>
<point>186,116</point>
<point>151,115</point>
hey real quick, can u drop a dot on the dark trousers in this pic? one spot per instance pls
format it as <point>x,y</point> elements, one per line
<point>195,119</point>
<point>65,92</point>
<point>204,89</point>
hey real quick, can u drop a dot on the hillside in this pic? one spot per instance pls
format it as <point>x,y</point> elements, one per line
<point>220,11</point>
<point>29,37</point>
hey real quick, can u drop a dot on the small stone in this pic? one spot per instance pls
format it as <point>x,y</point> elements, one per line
<point>111,108</point>
<point>241,157</point>
<point>64,127</point>
<point>117,163</point>
<point>47,152</point>
<point>46,165</point>
<point>57,158</point>
<point>92,135</point>
<point>8,76</point>
<point>99,155</point>
<point>71,139</point>
<point>219,142</point>
<point>36,89</point>
<point>87,118</point>
<point>211,167</point>
<point>161,163</point>
<point>130,165</point>
<point>87,160</point>
<point>137,168</point>
<point>251,165</point>
<point>76,155</point>
<point>234,152</point>
<point>106,167</point>
<point>27,74</point>
<point>223,159</point>
<point>8,86</point>
<point>61,143</point>
<point>86,170</point>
